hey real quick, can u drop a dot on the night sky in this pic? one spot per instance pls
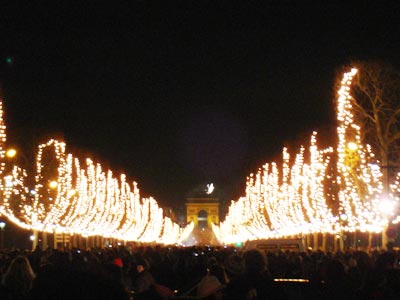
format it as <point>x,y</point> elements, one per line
<point>181,93</point>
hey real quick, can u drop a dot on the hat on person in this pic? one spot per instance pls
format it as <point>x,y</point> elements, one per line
<point>118,262</point>
<point>234,265</point>
<point>208,286</point>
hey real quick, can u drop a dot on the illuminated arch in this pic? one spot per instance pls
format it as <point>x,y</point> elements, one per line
<point>203,212</point>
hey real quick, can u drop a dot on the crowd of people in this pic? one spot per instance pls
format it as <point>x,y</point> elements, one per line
<point>156,272</point>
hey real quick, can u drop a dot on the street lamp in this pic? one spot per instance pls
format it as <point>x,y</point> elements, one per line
<point>387,206</point>
<point>11,153</point>
<point>388,203</point>
<point>19,157</point>
<point>343,220</point>
<point>352,146</point>
<point>2,226</point>
<point>53,184</point>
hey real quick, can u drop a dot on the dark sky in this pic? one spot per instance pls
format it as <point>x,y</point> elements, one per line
<point>181,93</point>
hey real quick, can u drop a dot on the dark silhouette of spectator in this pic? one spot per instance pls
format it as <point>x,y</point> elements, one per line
<point>71,284</point>
<point>144,283</point>
<point>18,280</point>
<point>234,266</point>
<point>109,273</point>
<point>113,269</point>
<point>210,288</point>
<point>358,263</point>
<point>383,280</point>
<point>219,272</point>
<point>212,284</point>
<point>256,283</point>
<point>334,281</point>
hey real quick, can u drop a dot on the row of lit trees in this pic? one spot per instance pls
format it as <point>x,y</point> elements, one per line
<point>68,197</point>
<point>325,191</point>
<point>334,190</point>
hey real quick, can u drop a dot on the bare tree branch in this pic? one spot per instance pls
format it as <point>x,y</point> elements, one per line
<point>376,102</point>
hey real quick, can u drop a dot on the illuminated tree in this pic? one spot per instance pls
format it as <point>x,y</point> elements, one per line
<point>294,199</point>
<point>376,106</point>
<point>359,180</point>
<point>74,198</point>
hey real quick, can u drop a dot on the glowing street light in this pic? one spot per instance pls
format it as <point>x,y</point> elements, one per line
<point>343,217</point>
<point>11,153</point>
<point>352,146</point>
<point>2,226</point>
<point>53,184</point>
<point>387,207</point>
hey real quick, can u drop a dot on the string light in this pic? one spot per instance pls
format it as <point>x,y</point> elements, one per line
<point>70,199</point>
<point>297,199</point>
<point>286,200</point>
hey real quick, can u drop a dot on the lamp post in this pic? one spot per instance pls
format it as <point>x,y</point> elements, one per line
<point>387,208</point>
<point>18,157</point>
<point>11,153</point>
<point>388,203</point>
<point>343,221</point>
<point>34,239</point>
<point>2,227</point>
<point>10,157</point>
<point>353,165</point>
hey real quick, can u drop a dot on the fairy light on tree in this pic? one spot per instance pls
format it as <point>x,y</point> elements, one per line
<point>281,205</point>
<point>299,204</point>
<point>234,228</point>
<point>290,199</point>
<point>71,199</point>
<point>5,190</point>
<point>360,183</point>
